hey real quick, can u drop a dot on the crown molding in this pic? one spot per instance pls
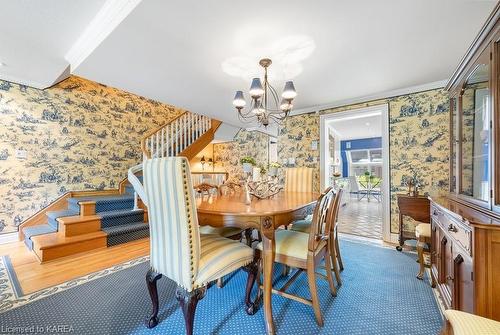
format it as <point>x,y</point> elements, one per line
<point>376,96</point>
<point>112,13</point>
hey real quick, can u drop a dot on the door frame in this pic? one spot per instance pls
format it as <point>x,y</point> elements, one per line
<point>386,181</point>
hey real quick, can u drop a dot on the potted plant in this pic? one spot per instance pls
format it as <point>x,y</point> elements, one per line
<point>248,164</point>
<point>273,168</point>
<point>262,171</point>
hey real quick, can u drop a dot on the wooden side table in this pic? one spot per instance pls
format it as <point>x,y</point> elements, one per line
<point>418,208</point>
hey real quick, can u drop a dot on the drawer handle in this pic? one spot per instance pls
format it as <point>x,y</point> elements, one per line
<point>452,228</point>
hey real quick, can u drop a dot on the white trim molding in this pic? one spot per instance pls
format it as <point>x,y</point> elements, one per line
<point>376,96</point>
<point>112,13</point>
<point>9,237</point>
<point>383,109</point>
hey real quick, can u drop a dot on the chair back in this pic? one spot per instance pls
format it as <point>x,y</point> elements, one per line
<point>206,188</point>
<point>299,179</point>
<point>173,221</point>
<point>320,225</point>
<point>333,212</point>
<point>230,187</point>
<point>353,184</point>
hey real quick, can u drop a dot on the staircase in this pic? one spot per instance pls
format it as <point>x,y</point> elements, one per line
<point>89,220</point>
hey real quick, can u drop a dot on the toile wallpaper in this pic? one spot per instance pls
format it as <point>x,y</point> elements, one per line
<point>78,135</point>
<point>295,140</point>
<point>227,155</point>
<point>419,145</point>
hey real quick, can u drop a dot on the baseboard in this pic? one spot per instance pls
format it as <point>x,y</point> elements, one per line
<point>9,237</point>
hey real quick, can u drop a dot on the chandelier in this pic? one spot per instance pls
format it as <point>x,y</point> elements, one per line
<point>265,105</point>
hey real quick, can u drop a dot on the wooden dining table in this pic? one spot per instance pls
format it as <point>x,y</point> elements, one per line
<point>265,215</point>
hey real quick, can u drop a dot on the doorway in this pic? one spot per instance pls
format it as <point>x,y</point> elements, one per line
<point>355,157</point>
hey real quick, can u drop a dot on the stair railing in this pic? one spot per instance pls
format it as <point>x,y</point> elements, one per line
<point>168,140</point>
<point>174,137</point>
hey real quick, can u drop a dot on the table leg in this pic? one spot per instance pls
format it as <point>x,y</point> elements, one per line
<point>401,242</point>
<point>268,263</point>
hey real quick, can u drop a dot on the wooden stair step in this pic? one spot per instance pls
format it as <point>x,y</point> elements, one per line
<point>87,208</point>
<point>78,225</point>
<point>56,245</point>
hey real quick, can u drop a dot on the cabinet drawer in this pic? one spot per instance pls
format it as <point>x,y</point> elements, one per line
<point>438,216</point>
<point>458,231</point>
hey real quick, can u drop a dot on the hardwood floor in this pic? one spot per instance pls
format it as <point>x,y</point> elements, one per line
<point>34,276</point>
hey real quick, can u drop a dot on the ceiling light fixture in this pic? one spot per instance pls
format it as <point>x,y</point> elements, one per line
<point>261,96</point>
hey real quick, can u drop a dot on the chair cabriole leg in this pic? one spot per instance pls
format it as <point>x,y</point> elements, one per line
<point>151,279</point>
<point>188,302</point>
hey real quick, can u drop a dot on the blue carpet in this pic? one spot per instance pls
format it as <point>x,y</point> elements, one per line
<point>10,275</point>
<point>379,295</point>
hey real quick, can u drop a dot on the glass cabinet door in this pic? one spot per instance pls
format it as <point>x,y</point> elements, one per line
<point>453,144</point>
<point>475,139</point>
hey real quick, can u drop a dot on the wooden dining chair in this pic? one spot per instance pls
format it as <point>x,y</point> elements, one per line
<point>206,188</point>
<point>230,187</point>
<point>177,250</point>
<point>299,179</point>
<point>305,226</point>
<point>305,252</point>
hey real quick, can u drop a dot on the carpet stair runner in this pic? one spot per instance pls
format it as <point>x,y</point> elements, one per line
<point>114,221</point>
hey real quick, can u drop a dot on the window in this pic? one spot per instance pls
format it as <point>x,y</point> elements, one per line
<point>366,160</point>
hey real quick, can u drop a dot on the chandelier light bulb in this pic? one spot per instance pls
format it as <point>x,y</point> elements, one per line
<point>239,100</point>
<point>289,91</point>
<point>285,105</point>
<point>256,89</point>
<point>256,110</point>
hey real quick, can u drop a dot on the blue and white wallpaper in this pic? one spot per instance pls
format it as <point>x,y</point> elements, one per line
<point>77,135</point>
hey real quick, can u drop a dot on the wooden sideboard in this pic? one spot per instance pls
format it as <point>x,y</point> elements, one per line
<point>465,225</point>
<point>465,257</point>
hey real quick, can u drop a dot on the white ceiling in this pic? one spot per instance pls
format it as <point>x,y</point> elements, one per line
<point>36,36</point>
<point>180,52</point>
<point>355,128</point>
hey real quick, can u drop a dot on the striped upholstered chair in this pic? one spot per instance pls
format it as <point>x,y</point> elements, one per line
<point>177,250</point>
<point>461,323</point>
<point>299,179</point>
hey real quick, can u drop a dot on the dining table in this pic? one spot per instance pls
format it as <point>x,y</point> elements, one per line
<point>266,216</point>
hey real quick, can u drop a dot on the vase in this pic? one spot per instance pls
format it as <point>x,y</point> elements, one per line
<point>248,197</point>
<point>247,167</point>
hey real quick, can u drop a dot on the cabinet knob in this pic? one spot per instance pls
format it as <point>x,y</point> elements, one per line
<point>449,278</point>
<point>452,228</point>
